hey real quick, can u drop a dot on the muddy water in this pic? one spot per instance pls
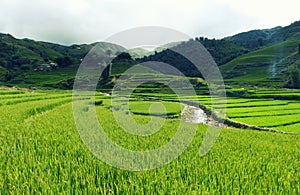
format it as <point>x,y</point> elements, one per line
<point>196,115</point>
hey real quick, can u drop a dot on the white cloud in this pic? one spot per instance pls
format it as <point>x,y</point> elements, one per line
<point>268,13</point>
<point>79,21</point>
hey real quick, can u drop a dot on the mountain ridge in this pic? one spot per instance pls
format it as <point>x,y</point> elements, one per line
<point>248,51</point>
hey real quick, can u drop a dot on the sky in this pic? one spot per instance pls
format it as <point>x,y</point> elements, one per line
<point>86,21</point>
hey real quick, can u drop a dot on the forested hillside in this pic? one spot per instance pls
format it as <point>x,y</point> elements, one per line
<point>268,57</point>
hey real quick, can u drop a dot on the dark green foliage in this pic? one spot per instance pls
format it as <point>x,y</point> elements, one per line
<point>242,93</point>
<point>293,77</point>
<point>288,32</point>
<point>262,67</point>
<point>99,102</point>
<point>25,67</point>
<point>19,56</point>
<point>122,56</point>
<point>64,84</point>
<point>245,59</point>
<point>176,60</point>
<point>106,72</point>
<point>9,76</point>
<point>15,52</point>
<point>254,39</point>
<point>64,61</point>
<point>221,50</point>
<point>121,63</point>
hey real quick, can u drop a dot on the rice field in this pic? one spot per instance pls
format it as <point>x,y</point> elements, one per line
<point>42,152</point>
<point>283,115</point>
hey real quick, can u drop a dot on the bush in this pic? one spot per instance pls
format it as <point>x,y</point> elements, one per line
<point>293,77</point>
<point>98,103</point>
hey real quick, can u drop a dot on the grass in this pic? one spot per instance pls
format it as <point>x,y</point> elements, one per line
<point>52,77</point>
<point>262,110</point>
<point>255,67</point>
<point>155,108</point>
<point>42,152</point>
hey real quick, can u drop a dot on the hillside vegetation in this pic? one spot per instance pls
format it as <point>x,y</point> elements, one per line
<point>263,66</point>
<point>267,57</point>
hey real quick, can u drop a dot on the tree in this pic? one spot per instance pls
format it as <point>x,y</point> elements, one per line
<point>293,77</point>
<point>260,42</point>
<point>124,56</point>
<point>25,67</point>
<point>9,76</point>
<point>64,61</point>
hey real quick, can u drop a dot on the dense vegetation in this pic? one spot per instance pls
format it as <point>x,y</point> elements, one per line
<point>266,57</point>
<point>256,58</point>
<point>41,151</point>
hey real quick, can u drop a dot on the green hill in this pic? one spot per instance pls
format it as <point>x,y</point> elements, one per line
<point>254,39</point>
<point>16,52</point>
<point>274,52</point>
<point>257,39</point>
<point>25,62</point>
<point>256,58</point>
<point>266,66</point>
<point>19,58</point>
<point>268,57</point>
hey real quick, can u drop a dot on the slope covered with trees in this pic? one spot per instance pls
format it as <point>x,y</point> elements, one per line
<point>268,57</point>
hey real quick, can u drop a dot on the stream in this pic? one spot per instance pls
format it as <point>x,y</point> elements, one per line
<point>196,115</point>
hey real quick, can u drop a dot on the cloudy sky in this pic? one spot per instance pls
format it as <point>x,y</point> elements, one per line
<point>86,21</point>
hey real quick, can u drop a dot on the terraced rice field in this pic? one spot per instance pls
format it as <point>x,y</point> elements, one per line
<point>268,112</point>
<point>41,150</point>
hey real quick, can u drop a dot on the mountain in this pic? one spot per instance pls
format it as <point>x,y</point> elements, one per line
<point>138,53</point>
<point>264,66</point>
<point>254,39</point>
<point>268,64</point>
<point>19,58</point>
<point>267,57</point>
<point>256,58</point>
<point>26,62</point>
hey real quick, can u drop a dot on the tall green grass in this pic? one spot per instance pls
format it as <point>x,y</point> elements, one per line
<point>43,153</point>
